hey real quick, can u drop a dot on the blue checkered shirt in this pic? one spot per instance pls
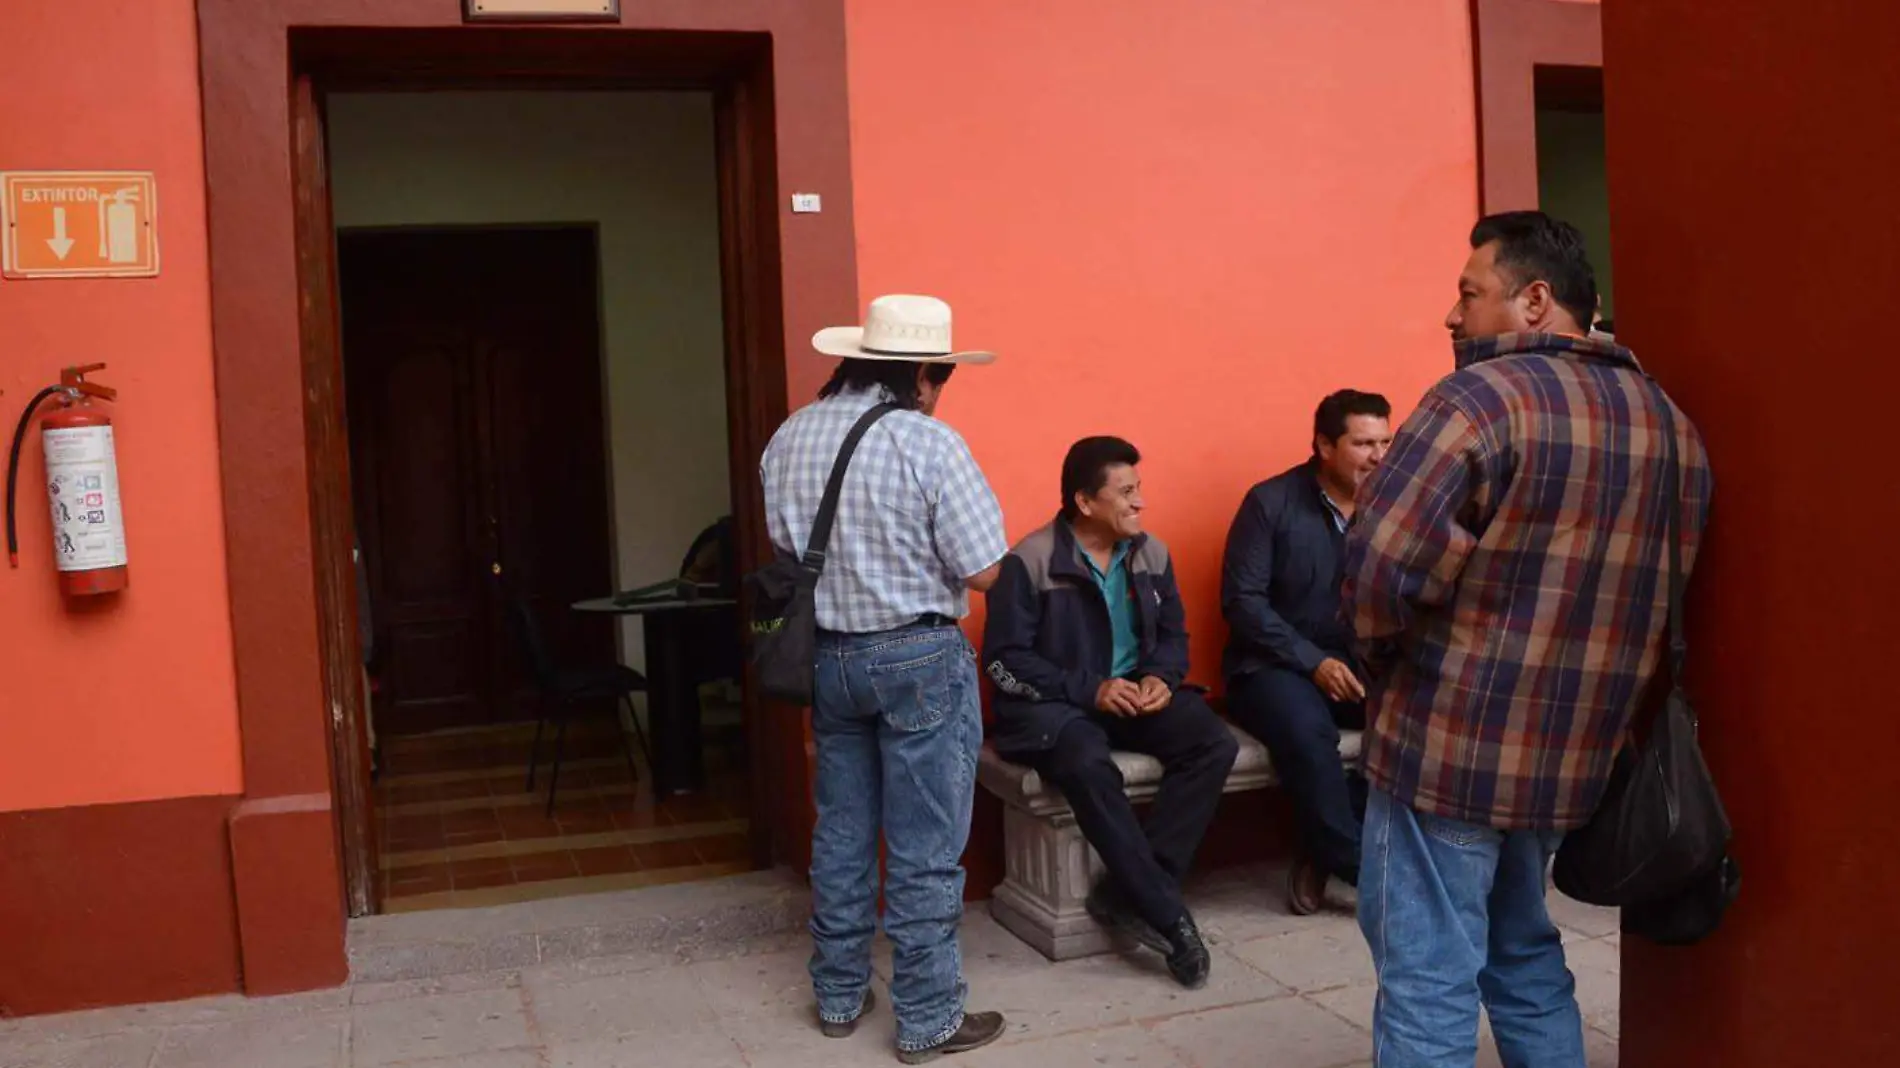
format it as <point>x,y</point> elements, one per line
<point>915,518</point>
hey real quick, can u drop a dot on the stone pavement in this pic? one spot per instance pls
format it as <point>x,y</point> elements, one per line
<point>1287,992</point>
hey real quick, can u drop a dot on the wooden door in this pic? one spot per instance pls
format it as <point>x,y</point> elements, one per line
<point>332,519</point>
<point>472,362</point>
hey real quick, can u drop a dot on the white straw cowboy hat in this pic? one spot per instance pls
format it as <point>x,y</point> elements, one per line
<point>901,327</point>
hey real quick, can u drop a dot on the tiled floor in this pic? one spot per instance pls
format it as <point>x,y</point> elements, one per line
<point>458,827</point>
<point>1286,992</point>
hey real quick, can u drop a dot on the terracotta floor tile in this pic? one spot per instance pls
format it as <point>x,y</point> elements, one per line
<point>418,872</point>
<point>403,884</point>
<point>495,810</point>
<point>528,824</point>
<point>583,822</point>
<point>490,832</point>
<point>486,879</point>
<point>475,874</point>
<point>579,800</point>
<point>639,818</point>
<point>397,794</point>
<point>413,826</point>
<point>693,808</point>
<point>608,860</point>
<point>470,818</point>
<point>677,854</point>
<point>540,867</point>
<point>724,848</point>
<point>480,864</point>
<point>514,786</point>
<point>612,776</point>
<point>455,791</point>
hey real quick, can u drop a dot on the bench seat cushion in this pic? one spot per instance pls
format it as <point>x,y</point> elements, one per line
<point>1022,787</point>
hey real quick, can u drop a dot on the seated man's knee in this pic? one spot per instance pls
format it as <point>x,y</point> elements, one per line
<point>1212,741</point>
<point>1288,706</point>
<point>1082,757</point>
<point>1226,746</point>
<point>1218,746</point>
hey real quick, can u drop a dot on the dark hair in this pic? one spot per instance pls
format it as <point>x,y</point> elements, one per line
<point>896,377</point>
<point>1085,468</point>
<point>1533,247</point>
<point>1329,419</point>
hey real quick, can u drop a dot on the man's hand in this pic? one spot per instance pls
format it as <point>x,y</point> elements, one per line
<point>1118,697</point>
<point>1336,680</point>
<point>1155,695</point>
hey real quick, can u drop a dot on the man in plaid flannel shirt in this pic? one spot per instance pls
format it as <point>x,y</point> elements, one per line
<point>896,714</point>
<point>1508,566</point>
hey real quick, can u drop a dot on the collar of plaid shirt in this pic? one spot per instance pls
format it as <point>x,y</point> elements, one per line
<point>1476,350</point>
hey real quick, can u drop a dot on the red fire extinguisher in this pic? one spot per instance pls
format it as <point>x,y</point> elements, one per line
<point>82,484</point>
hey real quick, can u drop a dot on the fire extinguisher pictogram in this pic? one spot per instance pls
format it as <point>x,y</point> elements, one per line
<point>82,484</point>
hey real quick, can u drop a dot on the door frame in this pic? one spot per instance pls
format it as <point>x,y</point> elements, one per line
<point>1512,39</point>
<point>777,69</point>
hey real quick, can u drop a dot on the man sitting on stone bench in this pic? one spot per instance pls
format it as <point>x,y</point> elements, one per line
<point>1087,646</point>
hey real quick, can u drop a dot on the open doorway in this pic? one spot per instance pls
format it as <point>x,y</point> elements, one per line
<point>542,350</point>
<point>1571,181</point>
<point>532,346</point>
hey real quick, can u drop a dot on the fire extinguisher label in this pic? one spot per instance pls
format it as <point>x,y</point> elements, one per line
<point>82,485</point>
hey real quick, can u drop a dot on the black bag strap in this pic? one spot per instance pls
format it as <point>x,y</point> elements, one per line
<point>1672,500</point>
<point>814,557</point>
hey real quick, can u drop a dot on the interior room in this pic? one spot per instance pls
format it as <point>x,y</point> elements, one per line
<point>533,351</point>
<point>1571,182</point>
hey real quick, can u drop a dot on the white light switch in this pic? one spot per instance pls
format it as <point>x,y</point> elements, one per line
<point>806,203</point>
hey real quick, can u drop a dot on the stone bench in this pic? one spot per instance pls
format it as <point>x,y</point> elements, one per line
<point>1049,866</point>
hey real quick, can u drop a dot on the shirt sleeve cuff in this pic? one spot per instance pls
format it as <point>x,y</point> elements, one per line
<point>1310,657</point>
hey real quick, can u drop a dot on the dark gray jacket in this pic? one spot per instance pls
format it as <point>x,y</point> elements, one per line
<point>1047,644</point>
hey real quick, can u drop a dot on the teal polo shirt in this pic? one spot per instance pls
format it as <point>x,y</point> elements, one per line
<point>1121,609</point>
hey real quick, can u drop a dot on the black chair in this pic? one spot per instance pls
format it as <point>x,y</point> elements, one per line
<point>561,689</point>
<point>714,650</point>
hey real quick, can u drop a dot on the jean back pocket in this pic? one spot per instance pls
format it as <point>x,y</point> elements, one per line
<point>916,681</point>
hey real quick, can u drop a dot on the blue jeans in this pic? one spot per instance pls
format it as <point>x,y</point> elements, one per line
<point>1454,913</point>
<point>897,723</point>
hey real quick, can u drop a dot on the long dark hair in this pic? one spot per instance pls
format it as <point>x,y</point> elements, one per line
<point>896,377</point>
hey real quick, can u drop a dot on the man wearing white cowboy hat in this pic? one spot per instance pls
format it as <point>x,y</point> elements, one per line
<point>895,711</point>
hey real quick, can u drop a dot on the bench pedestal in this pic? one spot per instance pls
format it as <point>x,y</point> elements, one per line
<point>1049,867</point>
<point>1048,870</point>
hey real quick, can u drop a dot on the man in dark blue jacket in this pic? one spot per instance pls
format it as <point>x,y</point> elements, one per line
<point>1292,677</point>
<point>1088,649</point>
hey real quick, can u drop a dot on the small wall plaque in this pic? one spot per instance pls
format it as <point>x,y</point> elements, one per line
<point>540,10</point>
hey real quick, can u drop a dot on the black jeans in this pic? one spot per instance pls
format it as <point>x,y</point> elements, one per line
<point>1300,727</point>
<point>1146,860</point>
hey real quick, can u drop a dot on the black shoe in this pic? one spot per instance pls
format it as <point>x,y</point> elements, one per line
<point>1106,906</point>
<point>979,1029</point>
<point>849,1027</point>
<point>1188,961</point>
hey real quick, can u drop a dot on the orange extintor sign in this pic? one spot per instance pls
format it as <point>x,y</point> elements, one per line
<point>78,224</point>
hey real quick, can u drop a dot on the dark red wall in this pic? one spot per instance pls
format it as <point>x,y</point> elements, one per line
<point>109,904</point>
<point>1754,159</point>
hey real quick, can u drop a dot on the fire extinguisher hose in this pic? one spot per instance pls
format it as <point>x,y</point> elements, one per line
<point>13,470</point>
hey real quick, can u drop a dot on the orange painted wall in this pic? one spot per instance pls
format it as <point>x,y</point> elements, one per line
<point>1180,223</point>
<point>134,700</point>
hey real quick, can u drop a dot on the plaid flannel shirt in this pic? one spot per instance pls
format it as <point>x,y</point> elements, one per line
<point>915,516</point>
<point>1508,565</point>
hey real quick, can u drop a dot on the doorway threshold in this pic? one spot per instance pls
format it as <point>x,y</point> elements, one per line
<point>680,921</point>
